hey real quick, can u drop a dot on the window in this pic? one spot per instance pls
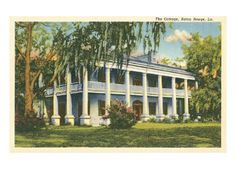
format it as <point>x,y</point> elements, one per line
<point>152,81</point>
<point>152,108</point>
<point>166,82</point>
<point>137,80</point>
<point>101,107</point>
<point>62,79</point>
<point>119,78</point>
<point>101,75</point>
<point>165,108</point>
<point>74,76</point>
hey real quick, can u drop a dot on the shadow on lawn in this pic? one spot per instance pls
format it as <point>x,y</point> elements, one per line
<point>106,137</point>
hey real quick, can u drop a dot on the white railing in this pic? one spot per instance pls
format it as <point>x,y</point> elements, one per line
<point>49,91</point>
<point>96,85</point>
<point>136,88</point>
<point>101,86</point>
<point>76,86</point>
<point>153,90</point>
<point>61,88</point>
<point>118,87</point>
<point>180,92</point>
<point>167,91</point>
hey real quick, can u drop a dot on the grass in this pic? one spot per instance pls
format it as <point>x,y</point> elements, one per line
<point>141,135</point>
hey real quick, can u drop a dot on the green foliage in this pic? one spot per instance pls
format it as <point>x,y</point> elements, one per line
<point>141,135</point>
<point>166,61</point>
<point>121,117</point>
<point>90,43</point>
<point>29,124</point>
<point>203,56</point>
<point>180,119</point>
<point>167,120</point>
<point>176,63</point>
<point>41,62</point>
<point>54,45</point>
<point>152,120</point>
<point>207,102</point>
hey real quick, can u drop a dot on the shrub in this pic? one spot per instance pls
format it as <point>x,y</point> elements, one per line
<point>188,121</point>
<point>121,116</point>
<point>167,120</point>
<point>29,123</point>
<point>180,119</point>
<point>152,120</point>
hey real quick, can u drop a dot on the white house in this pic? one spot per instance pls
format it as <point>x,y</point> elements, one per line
<point>152,90</point>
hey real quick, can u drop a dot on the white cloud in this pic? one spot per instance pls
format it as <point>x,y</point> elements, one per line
<point>178,35</point>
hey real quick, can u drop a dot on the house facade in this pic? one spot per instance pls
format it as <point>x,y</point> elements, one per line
<point>150,89</point>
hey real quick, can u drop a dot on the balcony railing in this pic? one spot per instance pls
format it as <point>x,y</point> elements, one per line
<point>49,91</point>
<point>98,86</point>
<point>152,90</point>
<point>76,87</point>
<point>167,91</point>
<point>61,88</point>
<point>115,88</point>
<point>136,88</point>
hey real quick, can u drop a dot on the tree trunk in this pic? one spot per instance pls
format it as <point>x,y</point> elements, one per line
<point>28,91</point>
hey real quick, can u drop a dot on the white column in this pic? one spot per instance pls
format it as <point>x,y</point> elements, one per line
<point>55,117</point>
<point>40,107</point>
<point>196,85</point>
<point>157,108</point>
<point>127,83</point>
<point>174,107</point>
<point>45,113</point>
<point>108,90</point>
<point>186,109</point>
<point>69,118</point>
<point>160,98</point>
<point>85,118</point>
<point>145,99</point>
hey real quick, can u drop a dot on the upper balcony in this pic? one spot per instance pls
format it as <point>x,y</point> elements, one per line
<point>100,87</point>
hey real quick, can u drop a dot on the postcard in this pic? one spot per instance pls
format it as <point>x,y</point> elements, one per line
<point>118,84</point>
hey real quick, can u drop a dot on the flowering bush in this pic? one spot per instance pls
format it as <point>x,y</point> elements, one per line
<point>120,115</point>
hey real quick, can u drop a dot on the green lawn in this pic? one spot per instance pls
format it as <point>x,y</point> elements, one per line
<point>141,135</point>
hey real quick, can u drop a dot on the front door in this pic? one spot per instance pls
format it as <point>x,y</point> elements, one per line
<point>62,111</point>
<point>138,109</point>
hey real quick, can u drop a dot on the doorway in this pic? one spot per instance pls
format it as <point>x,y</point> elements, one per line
<point>138,109</point>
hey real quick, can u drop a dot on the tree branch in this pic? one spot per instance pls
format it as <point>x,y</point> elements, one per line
<point>21,53</point>
<point>34,79</point>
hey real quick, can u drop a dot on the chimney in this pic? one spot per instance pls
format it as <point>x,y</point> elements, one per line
<point>150,56</point>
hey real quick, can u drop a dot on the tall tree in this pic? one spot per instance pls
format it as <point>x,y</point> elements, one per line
<point>91,43</point>
<point>203,56</point>
<point>34,56</point>
<point>47,48</point>
<point>28,92</point>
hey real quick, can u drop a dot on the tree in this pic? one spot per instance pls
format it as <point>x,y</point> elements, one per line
<point>203,56</point>
<point>34,56</point>
<point>91,43</point>
<point>47,49</point>
<point>28,91</point>
<point>166,61</point>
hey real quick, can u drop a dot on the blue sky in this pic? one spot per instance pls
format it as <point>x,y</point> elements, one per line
<point>170,45</point>
<point>171,42</point>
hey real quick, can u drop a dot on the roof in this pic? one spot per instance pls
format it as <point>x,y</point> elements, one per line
<point>146,62</point>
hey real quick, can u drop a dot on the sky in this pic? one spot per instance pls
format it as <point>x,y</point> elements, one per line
<point>171,42</point>
<point>175,37</point>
